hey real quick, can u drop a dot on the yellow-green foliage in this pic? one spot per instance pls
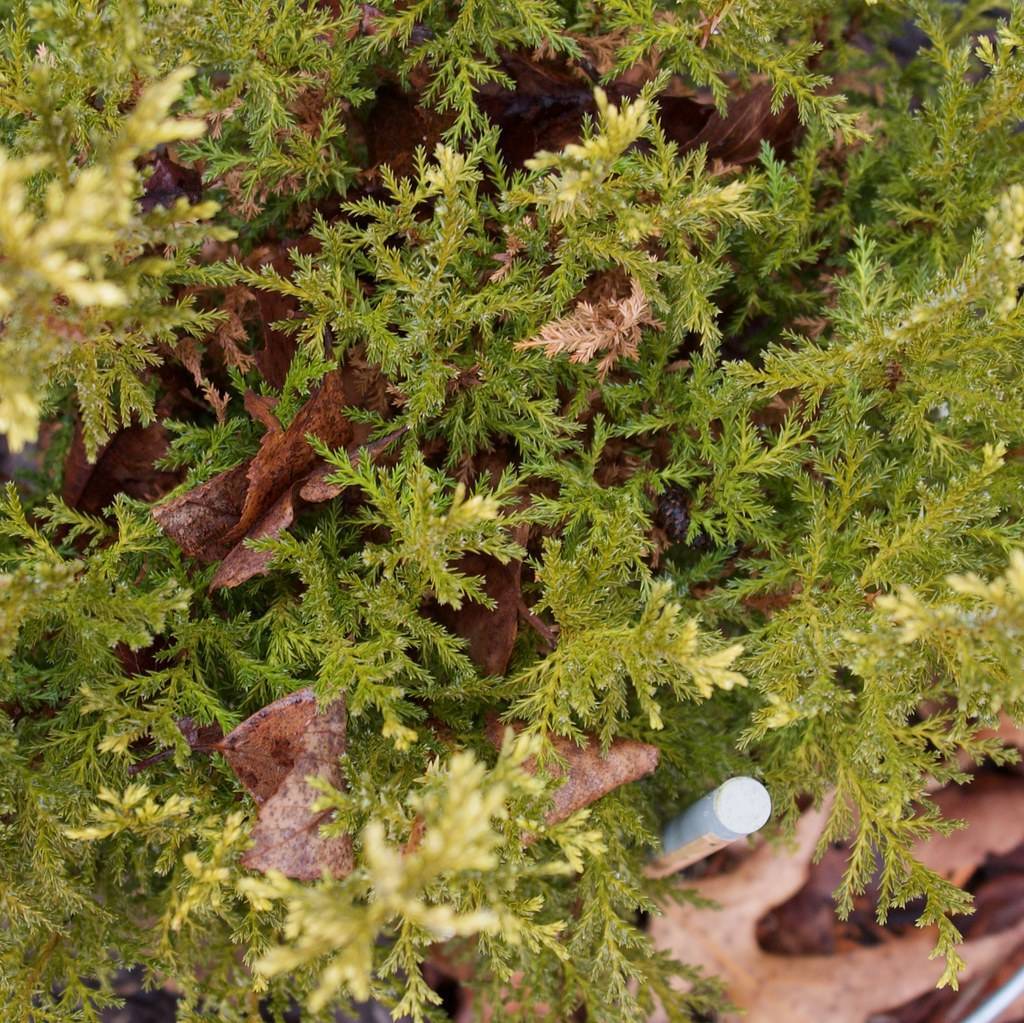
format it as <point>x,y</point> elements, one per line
<point>79,293</point>
<point>334,926</point>
<point>768,530</point>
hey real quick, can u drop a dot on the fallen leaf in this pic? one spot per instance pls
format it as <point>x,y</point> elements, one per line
<point>999,904</point>
<point>1008,731</point>
<point>242,563</point>
<point>259,498</point>
<point>991,804</point>
<point>261,408</point>
<point>202,739</point>
<point>168,182</point>
<point>545,109</point>
<point>199,520</point>
<point>553,95</point>
<point>317,487</point>
<point>806,923</point>
<point>367,24</point>
<point>124,465</point>
<point>285,456</point>
<point>736,137</point>
<point>589,774</point>
<point>601,57</point>
<point>264,747</point>
<point>945,1006</point>
<point>510,1002</point>
<point>998,888</point>
<point>489,633</point>
<point>843,988</point>
<point>592,774</point>
<point>273,753</point>
<point>396,126</point>
<point>265,308</point>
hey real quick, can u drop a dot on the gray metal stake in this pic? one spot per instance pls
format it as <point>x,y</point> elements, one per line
<point>993,1006</point>
<point>738,807</point>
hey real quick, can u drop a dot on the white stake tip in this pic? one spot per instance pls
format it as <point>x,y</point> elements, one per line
<point>742,805</point>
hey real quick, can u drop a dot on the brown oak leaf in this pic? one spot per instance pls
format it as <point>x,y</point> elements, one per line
<point>546,108</point>
<point>848,987</point>
<point>553,95</point>
<point>199,519</point>
<point>241,563</point>
<point>490,633</point>
<point>285,456</point>
<point>273,753</point>
<point>168,182</point>
<point>260,498</point>
<point>125,464</point>
<point>317,487</point>
<point>262,308</point>
<point>736,137</point>
<point>589,774</point>
<point>396,126</point>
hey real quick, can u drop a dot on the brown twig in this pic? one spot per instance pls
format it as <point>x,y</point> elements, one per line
<point>712,23</point>
<point>539,626</point>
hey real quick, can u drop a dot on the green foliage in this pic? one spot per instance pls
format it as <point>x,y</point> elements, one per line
<point>80,295</point>
<point>455,882</point>
<point>749,517</point>
<point>711,41</point>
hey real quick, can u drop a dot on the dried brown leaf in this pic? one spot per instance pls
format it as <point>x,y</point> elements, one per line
<point>749,121</point>
<point>124,465</point>
<point>843,988</point>
<point>273,753</point>
<point>264,747</point>
<point>553,95</point>
<point>489,633</point>
<point>199,520</point>
<point>265,308</point>
<point>367,24</point>
<point>589,774</point>
<point>1008,731</point>
<point>317,488</point>
<point>260,498</point>
<point>991,805</point>
<point>202,738</point>
<point>261,408</point>
<point>736,137</point>
<point>285,456</point>
<point>242,563</point>
<point>546,108</point>
<point>592,774</point>
<point>168,182</point>
<point>396,126</point>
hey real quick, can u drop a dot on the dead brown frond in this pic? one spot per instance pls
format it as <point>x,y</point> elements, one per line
<point>610,326</point>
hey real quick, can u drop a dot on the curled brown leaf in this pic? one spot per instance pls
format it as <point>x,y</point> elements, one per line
<point>848,987</point>
<point>261,497</point>
<point>588,774</point>
<point>273,753</point>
